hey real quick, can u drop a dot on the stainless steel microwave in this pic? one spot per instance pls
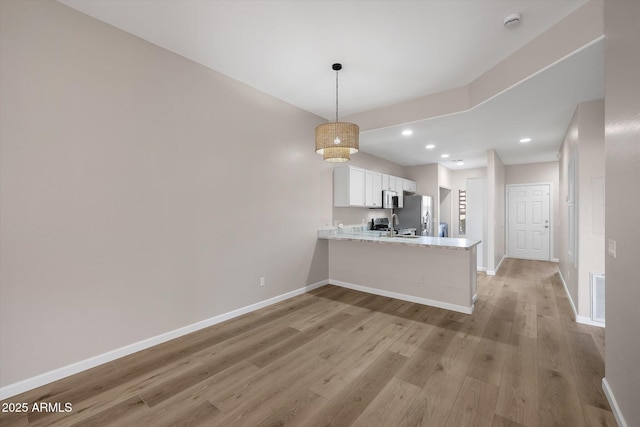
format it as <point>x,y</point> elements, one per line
<point>389,199</point>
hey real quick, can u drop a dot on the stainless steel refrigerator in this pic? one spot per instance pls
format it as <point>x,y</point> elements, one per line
<point>417,212</point>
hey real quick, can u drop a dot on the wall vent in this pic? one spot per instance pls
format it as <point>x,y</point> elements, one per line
<point>597,297</point>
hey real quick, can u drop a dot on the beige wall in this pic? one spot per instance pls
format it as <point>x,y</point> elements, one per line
<point>495,173</point>
<point>140,192</point>
<point>444,176</point>
<point>446,277</point>
<point>585,135</point>
<point>444,199</point>
<point>429,178</point>
<point>568,267</point>
<point>426,178</point>
<point>540,173</point>
<point>591,219</point>
<point>495,210</point>
<point>622,153</point>
<point>459,182</point>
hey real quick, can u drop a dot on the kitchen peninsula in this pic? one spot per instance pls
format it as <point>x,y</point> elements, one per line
<point>436,271</point>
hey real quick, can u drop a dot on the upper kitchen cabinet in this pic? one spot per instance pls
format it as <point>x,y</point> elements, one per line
<point>399,185</point>
<point>349,186</point>
<point>409,186</point>
<point>373,189</point>
<point>356,187</point>
<point>390,182</point>
<point>386,182</point>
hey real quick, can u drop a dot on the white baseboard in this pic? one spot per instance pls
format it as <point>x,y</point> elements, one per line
<point>404,297</point>
<point>494,272</point>
<point>566,291</point>
<point>613,403</point>
<point>555,260</point>
<point>588,321</point>
<point>579,319</point>
<point>74,368</point>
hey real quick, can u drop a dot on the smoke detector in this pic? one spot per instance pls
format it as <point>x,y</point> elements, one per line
<point>512,20</point>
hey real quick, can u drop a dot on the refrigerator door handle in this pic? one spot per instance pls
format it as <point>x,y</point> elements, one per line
<point>427,224</point>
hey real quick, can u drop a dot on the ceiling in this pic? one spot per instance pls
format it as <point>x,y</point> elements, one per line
<point>392,51</point>
<point>539,108</point>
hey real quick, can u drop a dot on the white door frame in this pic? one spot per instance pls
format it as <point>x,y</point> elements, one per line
<point>551,224</point>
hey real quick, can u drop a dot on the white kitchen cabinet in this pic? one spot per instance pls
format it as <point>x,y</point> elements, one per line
<point>409,186</point>
<point>398,187</point>
<point>393,183</point>
<point>385,181</point>
<point>373,189</point>
<point>389,182</point>
<point>349,186</point>
<point>358,187</point>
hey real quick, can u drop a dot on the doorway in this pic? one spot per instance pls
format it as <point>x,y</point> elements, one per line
<point>444,212</point>
<point>528,222</point>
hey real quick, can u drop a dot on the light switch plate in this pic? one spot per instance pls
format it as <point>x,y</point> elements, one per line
<point>611,250</point>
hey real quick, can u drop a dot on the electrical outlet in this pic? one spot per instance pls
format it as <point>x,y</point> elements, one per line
<point>262,281</point>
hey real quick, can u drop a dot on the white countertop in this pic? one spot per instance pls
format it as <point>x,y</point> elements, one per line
<point>375,237</point>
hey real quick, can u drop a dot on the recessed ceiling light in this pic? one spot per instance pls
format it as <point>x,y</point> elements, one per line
<point>407,132</point>
<point>459,163</point>
<point>430,146</point>
<point>525,140</point>
<point>444,156</point>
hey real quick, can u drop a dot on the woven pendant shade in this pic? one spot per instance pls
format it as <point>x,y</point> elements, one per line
<point>336,155</point>
<point>337,140</point>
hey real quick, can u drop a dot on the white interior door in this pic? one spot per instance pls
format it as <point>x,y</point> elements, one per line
<point>529,228</point>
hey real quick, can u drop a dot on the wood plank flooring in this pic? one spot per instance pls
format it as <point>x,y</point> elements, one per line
<point>340,357</point>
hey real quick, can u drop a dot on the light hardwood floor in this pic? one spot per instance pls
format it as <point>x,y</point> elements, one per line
<point>340,357</point>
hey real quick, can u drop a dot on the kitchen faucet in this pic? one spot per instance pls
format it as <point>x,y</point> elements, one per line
<point>392,223</point>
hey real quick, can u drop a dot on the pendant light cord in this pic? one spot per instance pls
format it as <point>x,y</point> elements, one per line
<point>337,96</point>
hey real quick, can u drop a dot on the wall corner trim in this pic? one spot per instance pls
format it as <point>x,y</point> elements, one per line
<point>613,403</point>
<point>83,365</point>
<point>566,291</point>
<point>494,272</point>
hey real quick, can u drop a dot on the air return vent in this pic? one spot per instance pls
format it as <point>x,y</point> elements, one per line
<point>597,297</point>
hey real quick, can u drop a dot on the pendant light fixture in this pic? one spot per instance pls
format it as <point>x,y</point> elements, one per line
<point>336,141</point>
